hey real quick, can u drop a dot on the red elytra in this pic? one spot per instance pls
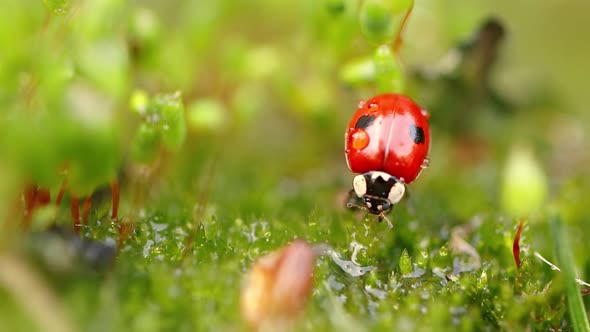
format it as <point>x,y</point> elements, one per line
<point>388,133</point>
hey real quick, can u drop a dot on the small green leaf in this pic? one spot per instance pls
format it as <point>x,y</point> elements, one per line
<point>387,72</point>
<point>172,122</point>
<point>405,263</point>
<point>422,258</point>
<point>482,281</point>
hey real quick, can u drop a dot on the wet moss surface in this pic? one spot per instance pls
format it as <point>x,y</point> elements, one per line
<point>267,90</point>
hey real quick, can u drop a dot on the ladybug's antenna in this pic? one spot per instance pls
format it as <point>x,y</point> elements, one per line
<point>382,216</point>
<point>357,206</point>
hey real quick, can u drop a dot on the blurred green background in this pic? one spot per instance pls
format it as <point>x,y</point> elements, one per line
<point>225,120</point>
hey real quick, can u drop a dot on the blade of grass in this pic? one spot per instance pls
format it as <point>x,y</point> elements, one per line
<point>554,267</point>
<point>564,259</point>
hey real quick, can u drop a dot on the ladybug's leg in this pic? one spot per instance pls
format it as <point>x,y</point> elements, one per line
<point>115,193</point>
<point>86,209</point>
<point>382,217</point>
<point>75,210</point>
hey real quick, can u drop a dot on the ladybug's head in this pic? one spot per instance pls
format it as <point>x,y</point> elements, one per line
<point>378,190</point>
<point>377,205</point>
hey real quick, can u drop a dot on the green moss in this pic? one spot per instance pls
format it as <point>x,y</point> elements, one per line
<point>256,161</point>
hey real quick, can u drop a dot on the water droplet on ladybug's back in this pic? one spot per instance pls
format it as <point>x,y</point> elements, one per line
<point>359,139</point>
<point>361,103</point>
<point>425,113</point>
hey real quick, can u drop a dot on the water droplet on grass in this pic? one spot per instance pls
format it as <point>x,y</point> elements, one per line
<point>335,285</point>
<point>147,247</point>
<point>376,292</point>
<point>416,273</point>
<point>356,247</point>
<point>349,267</point>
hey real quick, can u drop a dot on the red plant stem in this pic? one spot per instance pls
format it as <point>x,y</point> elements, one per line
<point>74,207</point>
<point>43,197</point>
<point>397,43</point>
<point>125,229</point>
<point>60,194</point>
<point>516,244</point>
<point>29,195</point>
<point>86,209</point>
<point>115,193</point>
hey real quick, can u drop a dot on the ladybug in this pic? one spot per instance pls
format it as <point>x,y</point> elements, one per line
<point>387,142</point>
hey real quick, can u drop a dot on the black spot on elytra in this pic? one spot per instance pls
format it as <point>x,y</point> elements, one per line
<point>364,121</point>
<point>417,134</point>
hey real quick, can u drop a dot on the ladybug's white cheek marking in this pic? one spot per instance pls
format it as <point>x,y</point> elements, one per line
<point>378,174</point>
<point>396,193</point>
<point>359,184</point>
